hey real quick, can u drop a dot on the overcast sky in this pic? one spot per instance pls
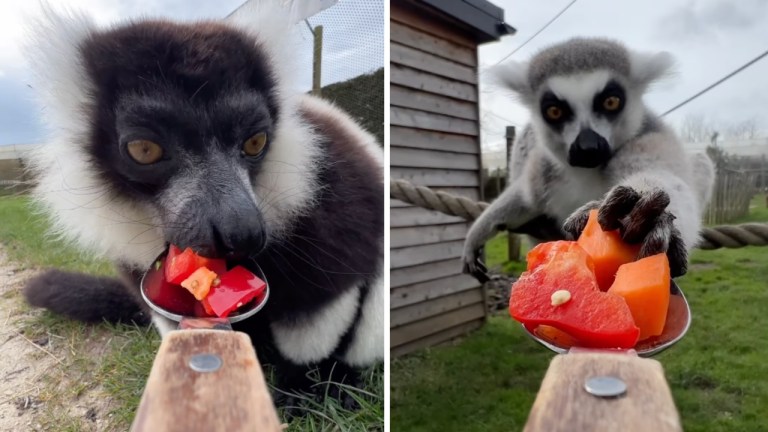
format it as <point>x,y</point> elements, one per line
<point>708,38</point>
<point>353,44</point>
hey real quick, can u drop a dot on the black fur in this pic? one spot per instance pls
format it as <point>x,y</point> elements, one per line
<point>549,100</point>
<point>613,88</point>
<point>200,91</point>
<point>617,205</point>
<point>183,86</point>
<point>85,298</point>
<point>340,243</point>
<point>542,228</point>
<point>645,215</point>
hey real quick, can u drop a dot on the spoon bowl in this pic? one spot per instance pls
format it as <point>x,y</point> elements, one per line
<point>677,324</point>
<point>151,277</point>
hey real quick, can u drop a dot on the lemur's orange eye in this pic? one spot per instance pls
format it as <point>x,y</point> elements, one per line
<point>254,145</point>
<point>145,152</point>
<point>554,113</point>
<point>612,103</point>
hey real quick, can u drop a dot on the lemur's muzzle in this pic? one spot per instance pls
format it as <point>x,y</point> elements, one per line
<point>589,150</point>
<point>223,222</point>
<point>236,228</point>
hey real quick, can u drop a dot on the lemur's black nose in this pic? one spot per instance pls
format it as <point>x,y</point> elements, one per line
<point>589,150</point>
<point>237,232</point>
<point>228,225</point>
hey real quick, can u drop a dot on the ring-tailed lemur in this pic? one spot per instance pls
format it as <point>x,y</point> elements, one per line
<point>191,134</point>
<point>592,143</point>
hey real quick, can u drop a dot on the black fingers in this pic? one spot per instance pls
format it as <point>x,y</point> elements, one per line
<point>619,202</point>
<point>475,267</point>
<point>642,218</point>
<point>645,216</point>
<point>659,237</point>
<point>677,254</point>
<point>576,222</point>
<point>665,237</point>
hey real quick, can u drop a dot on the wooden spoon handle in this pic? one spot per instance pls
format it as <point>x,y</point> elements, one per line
<point>181,395</point>
<point>563,403</point>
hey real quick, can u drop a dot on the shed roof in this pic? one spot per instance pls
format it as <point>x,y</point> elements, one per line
<point>483,18</point>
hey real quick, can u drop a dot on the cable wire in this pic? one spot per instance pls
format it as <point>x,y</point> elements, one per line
<point>538,32</point>
<point>717,83</point>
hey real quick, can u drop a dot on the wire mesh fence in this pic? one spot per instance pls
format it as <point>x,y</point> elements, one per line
<point>352,59</point>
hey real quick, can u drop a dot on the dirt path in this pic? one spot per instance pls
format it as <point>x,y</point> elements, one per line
<point>22,361</point>
<point>35,392</point>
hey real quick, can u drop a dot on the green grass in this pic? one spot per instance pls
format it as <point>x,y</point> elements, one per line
<point>496,255</point>
<point>717,373</point>
<point>119,363</point>
<point>24,235</point>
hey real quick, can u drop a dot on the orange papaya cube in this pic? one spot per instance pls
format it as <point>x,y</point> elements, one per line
<point>199,282</point>
<point>644,284</point>
<point>607,250</point>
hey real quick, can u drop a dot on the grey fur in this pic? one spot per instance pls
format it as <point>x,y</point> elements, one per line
<point>646,158</point>
<point>578,55</point>
<point>650,125</point>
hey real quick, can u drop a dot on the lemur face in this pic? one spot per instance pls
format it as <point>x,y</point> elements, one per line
<point>585,115</point>
<point>182,117</point>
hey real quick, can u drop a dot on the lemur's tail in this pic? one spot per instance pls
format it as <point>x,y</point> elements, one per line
<point>85,298</point>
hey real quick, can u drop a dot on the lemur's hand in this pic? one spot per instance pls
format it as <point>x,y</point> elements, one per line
<point>640,217</point>
<point>472,265</point>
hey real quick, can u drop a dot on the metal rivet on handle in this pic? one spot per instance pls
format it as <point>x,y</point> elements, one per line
<point>605,386</point>
<point>205,362</point>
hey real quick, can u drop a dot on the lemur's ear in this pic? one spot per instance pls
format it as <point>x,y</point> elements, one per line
<point>52,50</point>
<point>514,76</point>
<point>646,68</point>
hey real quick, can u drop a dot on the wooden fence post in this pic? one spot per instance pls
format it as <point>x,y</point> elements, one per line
<point>513,240</point>
<point>317,60</point>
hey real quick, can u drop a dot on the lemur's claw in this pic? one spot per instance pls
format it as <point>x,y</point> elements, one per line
<point>576,222</point>
<point>475,267</point>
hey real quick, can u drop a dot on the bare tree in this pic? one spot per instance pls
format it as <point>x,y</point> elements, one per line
<point>746,129</point>
<point>696,129</point>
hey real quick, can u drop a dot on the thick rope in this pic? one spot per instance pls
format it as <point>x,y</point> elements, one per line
<point>722,236</point>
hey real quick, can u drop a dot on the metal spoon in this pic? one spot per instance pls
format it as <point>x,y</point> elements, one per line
<point>243,312</point>
<point>678,321</point>
<point>204,364</point>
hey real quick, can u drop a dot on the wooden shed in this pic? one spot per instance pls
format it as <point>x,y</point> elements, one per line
<point>435,142</point>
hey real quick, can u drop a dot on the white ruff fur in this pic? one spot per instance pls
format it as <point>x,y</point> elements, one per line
<point>579,91</point>
<point>583,185</point>
<point>82,208</point>
<point>359,135</point>
<point>314,337</point>
<point>368,342</point>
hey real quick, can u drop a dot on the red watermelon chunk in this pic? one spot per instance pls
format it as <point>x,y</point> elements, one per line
<point>168,296</point>
<point>236,288</point>
<point>542,253</point>
<point>596,319</point>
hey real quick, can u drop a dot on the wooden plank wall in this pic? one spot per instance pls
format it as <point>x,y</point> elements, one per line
<point>434,142</point>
